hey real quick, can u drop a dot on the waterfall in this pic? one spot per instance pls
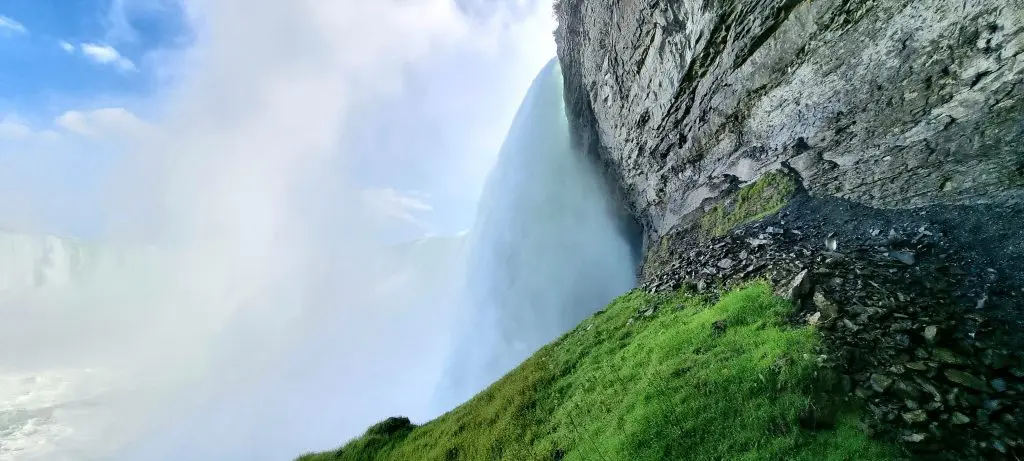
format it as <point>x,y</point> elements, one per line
<point>548,248</point>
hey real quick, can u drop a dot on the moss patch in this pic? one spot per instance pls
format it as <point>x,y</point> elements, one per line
<point>763,197</point>
<point>684,379</point>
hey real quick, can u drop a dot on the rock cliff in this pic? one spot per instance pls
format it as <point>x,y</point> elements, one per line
<point>888,103</point>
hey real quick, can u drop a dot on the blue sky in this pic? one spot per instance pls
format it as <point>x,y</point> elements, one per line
<point>79,74</point>
<point>82,51</point>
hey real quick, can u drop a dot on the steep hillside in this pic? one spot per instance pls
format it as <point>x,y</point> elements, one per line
<point>652,377</point>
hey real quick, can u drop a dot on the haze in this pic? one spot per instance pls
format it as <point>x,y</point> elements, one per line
<point>277,154</point>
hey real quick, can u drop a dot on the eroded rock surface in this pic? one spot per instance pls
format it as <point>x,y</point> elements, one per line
<point>889,103</point>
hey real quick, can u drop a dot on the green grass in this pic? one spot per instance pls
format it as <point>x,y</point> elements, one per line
<point>664,387</point>
<point>763,197</point>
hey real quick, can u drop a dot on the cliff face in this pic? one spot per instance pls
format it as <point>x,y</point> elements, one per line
<point>888,103</point>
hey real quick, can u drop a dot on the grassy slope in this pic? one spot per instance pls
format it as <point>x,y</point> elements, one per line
<point>659,387</point>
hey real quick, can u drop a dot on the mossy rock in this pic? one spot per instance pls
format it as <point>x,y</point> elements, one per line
<point>765,196</point>
<point>391,426</point>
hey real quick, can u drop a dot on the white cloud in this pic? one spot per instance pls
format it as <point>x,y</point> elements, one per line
<point>11,25</point>
<point>106,54</point>
<point>106,122</point>
<point>12,127</point>
<point>67,46</point>
<point>403,205</point>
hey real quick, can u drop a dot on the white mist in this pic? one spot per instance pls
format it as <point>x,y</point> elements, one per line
<point>548,248</point>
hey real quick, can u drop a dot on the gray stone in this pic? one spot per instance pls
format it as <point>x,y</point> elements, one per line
<point>726,263</point>
<point>999,384</point>
<point>914,437</point>
<point>959,418</point>
<point>757,242</point>
<point>828,309</point>
<point>798,288</point>
<point>905,257</point>
<point>930,332</point>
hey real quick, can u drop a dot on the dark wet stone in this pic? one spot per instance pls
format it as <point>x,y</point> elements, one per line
<point>966,379</point>
<point>916,416</point>
<point>880,382</point>
<point>863,392</point>
<point>948,357</point>
<point>917,366</point>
